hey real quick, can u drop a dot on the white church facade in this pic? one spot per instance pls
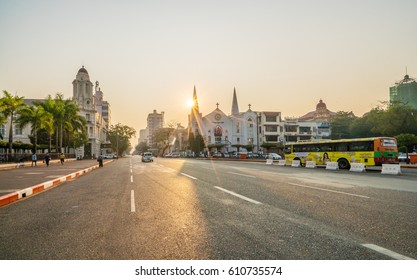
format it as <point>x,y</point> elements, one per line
<point>222,132</point>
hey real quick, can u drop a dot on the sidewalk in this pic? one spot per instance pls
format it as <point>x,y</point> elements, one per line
<point>20,181</point>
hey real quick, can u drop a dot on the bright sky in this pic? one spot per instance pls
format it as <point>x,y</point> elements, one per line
<point>280,55</point>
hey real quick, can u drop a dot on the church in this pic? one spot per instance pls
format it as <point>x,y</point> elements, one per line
<point>222,132</point>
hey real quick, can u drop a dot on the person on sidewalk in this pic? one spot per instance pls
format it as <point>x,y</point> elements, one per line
<point>34,159</point>
<point>47,159</point>
<point>62,158</point>
<point>100,160</point>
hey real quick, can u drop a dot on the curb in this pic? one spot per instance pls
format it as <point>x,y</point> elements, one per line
<point>12,197</point>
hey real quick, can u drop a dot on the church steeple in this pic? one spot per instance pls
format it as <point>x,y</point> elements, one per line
<point>235,107</point>
<point>195,102</point>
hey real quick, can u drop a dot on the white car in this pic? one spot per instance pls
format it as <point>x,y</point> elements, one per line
<point>108,156</point>
<point>274,156</point>
<point>147,157</point>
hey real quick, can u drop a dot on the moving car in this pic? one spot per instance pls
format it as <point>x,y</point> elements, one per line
<point>147,157</point>
<point>274,156</point>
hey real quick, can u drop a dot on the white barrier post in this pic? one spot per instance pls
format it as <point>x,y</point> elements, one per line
<point>332,165</point>
<point>393,169</point>
<point>357,167</point>
<point>281,162</point>
<point>269,161</point>
<point>296,163</point>
<point>311,164</point>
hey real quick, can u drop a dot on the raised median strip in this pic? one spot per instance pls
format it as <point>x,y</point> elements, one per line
<point>14,196</point>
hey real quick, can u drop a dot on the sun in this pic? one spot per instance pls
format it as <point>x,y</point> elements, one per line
<point>190,103</point>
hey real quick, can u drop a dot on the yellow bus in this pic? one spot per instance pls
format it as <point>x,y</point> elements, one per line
<point>372,151</point>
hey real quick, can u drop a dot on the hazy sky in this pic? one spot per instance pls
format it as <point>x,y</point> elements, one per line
<point>280,55</point>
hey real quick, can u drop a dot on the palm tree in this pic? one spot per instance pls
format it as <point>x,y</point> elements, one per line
<point>2,120</point>
<point>11,106</point>
<point>37,117</point>
<point>49,106</point>
<point>65,117</point>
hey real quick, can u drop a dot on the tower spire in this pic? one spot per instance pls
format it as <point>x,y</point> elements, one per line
<point>195,101</point>
<point>235,107</point>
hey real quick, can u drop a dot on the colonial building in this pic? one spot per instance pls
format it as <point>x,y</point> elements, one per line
<point>313,125</point>
<point>91,107</point>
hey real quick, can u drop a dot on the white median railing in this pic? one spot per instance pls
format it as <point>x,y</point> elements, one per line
<point>332,165</point>
<point>393,169</point>
<point>311,164</point>
<point>357,167</point>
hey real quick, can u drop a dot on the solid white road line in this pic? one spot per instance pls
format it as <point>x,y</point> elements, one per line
<point>386,252</point>
<point>238,195</point>
<point>240,174</point>
<point>132,201</point>
<point>189,176</point>
<point>309,187</point>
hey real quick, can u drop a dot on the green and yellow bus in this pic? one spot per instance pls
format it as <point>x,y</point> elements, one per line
<point>370,151</point>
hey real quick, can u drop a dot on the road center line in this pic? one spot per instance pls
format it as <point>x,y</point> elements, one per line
<point>238,195</point>
<point>321,189</point>
<point>132,201</point>
<point>386,252</point>
<point>131,178</point>
<point>189,176</point>
<point>240,174</point>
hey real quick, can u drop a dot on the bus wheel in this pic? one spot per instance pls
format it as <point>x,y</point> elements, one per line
<point>343,163</point>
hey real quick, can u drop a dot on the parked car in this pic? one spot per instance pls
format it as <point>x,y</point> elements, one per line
<point>403,158</point>
<point>109,156</point>
<point>274,156</point>
<point>147,157</point>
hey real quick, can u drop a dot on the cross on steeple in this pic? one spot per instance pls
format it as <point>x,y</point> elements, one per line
<point>217,104</point>
<point>249,106</point>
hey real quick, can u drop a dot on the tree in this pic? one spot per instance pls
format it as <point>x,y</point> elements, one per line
<point>142,147</point>
<point>268,146</point>
<point>2,120</point>
<point>161,138</point>
<point>340,124</point>
<point>119,136</point>
<point>37,117</point>
<point>406,142</point>
<point>11,106</point>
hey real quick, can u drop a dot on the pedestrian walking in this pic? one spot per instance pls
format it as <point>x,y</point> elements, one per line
<point>34,159</point>
<point>100,161</point>
<point>47,159</point>
<point>62,158</point>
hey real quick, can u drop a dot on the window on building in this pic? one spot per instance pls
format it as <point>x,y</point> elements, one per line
<point>271,138</point>
<point>2,130</point>
<point>270,118</point>
<point>271,128</point>
<point>238,140</point>
<point>17,130</point>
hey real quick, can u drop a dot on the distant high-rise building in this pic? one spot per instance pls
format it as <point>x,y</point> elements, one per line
<point>155,121</point>
<point>405,92</point>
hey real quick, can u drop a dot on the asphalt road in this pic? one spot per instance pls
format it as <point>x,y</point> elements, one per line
<point>195,209</point>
